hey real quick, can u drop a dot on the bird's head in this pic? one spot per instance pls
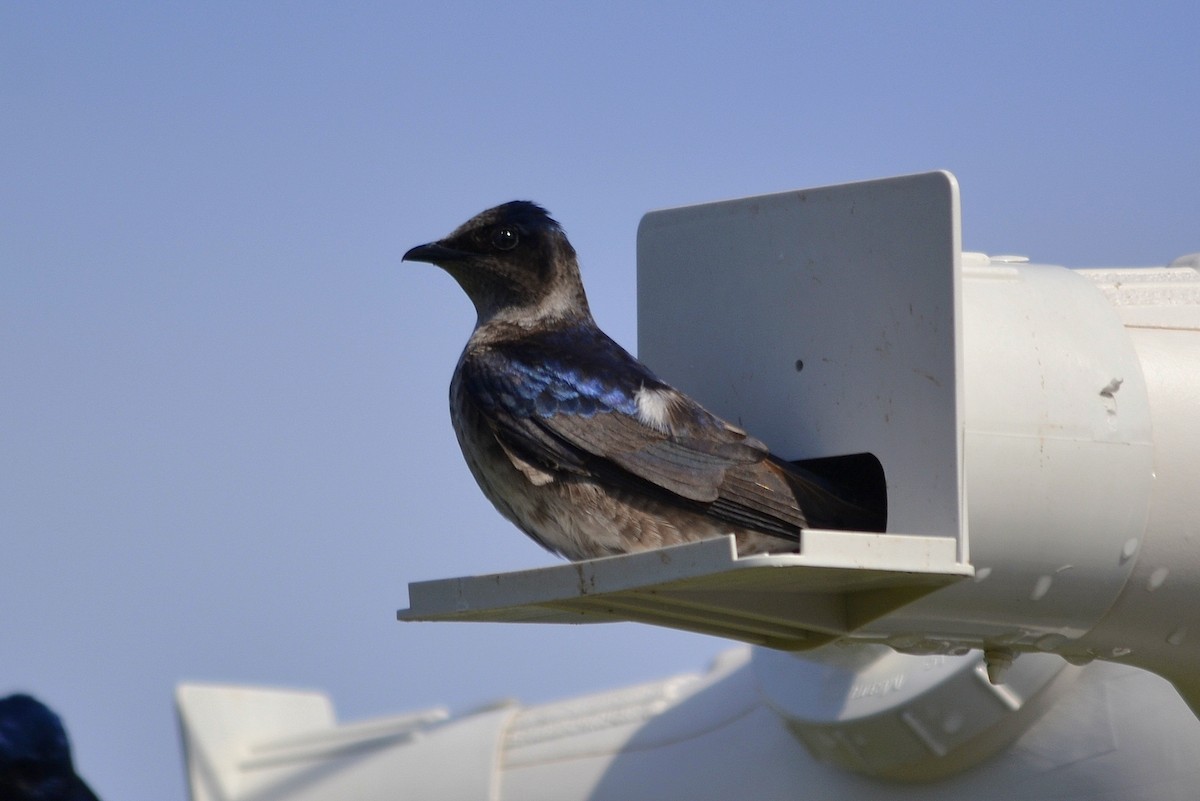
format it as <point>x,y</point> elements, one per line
<point>515,263</point>
<point>35,756</point>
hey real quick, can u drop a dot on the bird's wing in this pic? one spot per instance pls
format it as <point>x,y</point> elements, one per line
<point>610,418</point>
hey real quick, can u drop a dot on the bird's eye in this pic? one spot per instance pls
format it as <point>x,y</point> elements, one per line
<point>505,237</point>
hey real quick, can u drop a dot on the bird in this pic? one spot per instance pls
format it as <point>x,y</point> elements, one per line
<point>582,446</point>
<point>35,755</point>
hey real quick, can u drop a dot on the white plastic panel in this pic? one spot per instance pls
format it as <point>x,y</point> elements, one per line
<point>871,710</point>
<point>859,283</point>
<point>220,724</point>
<point>783,601</point>
<point>245,743</point>
<point>1111,733</point>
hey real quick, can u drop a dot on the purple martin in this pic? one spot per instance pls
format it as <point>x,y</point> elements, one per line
<point>35,756</point>
<point>577,442</point>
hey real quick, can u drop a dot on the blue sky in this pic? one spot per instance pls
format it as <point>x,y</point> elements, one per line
<point>224,440</point>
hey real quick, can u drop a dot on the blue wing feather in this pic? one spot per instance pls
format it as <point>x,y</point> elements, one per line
<point>567,400</point>
<point>558,373</point>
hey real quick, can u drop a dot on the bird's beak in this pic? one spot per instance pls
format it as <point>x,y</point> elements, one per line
<point>434,253</point>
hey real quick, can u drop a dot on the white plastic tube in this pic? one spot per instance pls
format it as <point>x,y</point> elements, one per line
<point>1082,454</point>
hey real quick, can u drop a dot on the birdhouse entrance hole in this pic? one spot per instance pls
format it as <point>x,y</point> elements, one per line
<point>857,477</point>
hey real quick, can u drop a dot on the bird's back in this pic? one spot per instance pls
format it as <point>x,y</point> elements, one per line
<point>559,433</point>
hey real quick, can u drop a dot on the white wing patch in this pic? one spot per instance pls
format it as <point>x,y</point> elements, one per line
<point>654,407</point>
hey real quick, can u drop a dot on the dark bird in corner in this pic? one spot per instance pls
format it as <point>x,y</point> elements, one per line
<point>577,442</point>
<point>35,756</point>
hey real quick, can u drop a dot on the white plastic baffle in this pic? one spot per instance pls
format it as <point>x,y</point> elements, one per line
<point>828,323</point>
